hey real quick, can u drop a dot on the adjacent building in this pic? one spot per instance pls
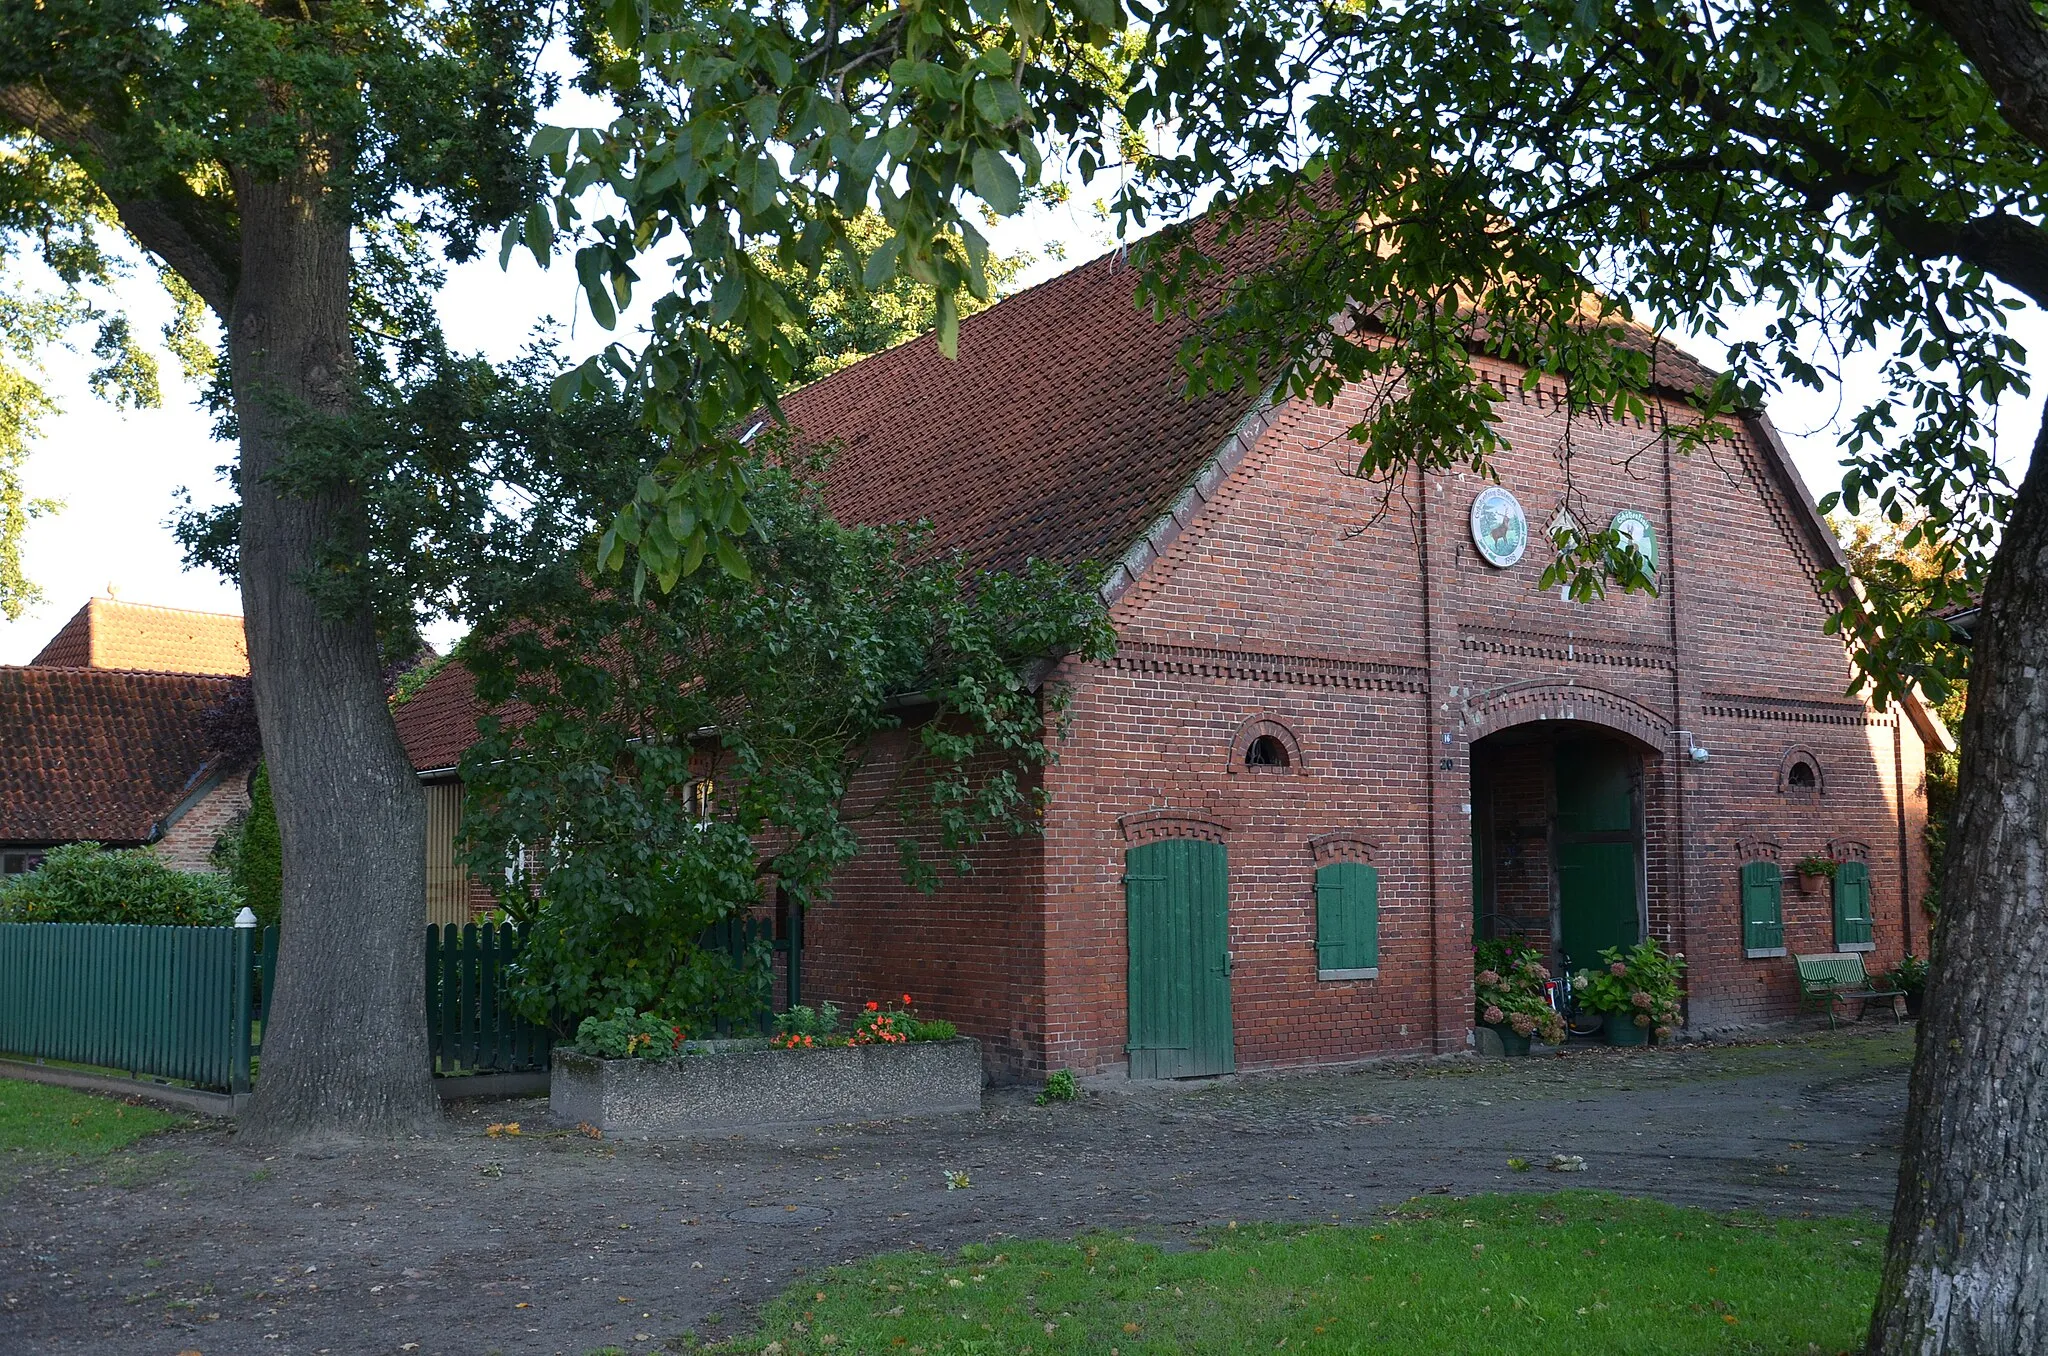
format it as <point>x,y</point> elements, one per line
<point>106,736</point>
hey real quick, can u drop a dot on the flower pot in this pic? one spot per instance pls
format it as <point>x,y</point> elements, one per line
<point>1810,883</point>
<point>1511,1044</point>
<point>1621,1029</point>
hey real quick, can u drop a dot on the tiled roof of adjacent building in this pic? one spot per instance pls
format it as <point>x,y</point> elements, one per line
<point>108,633</point>
<point>90,754</point>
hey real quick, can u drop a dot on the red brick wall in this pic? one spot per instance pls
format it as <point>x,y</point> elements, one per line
<point>972,951</point>
<point>1371,631</point>
<point>187,843</point>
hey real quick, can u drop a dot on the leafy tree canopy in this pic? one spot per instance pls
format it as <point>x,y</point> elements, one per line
<point>664,756</point>
<point>843,320</point>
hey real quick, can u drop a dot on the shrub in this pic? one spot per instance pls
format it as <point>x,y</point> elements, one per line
<point>1910,974</point>
<point>625,1035</point>
<point>1508,978</point>
<point>249,853</point>
<point>1059,1087</point>
<point>86,883</point>
<point>1641,984</point>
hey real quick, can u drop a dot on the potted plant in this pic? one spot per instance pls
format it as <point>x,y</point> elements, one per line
<point>1812,871</point>
<point>1635,991</point>
<point>1509,997</point>
<point>1909,976</point>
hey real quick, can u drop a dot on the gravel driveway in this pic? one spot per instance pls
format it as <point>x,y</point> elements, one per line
<point>554,1242</point>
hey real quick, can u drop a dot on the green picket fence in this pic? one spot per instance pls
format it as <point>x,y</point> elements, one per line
<point>168,1002</point>
<point>191,1003</point>
<point>471,1025</point>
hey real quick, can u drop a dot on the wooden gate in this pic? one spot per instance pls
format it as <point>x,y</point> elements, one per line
<point>1177,906</point>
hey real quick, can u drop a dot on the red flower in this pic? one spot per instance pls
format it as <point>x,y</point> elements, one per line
<point>874,1007</point>
<point>906,1000</point>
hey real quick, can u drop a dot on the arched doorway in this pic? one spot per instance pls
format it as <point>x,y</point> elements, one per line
<point>1557,838</point>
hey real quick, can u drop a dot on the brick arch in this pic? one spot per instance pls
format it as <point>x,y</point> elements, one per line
<point>1344,845</point>
<point>1149,826</point>
<point>1542,699</point>
<point>1266,725</point>
<point>1799,753</point>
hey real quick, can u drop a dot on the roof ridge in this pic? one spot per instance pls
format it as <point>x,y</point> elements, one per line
<point>99,598</point>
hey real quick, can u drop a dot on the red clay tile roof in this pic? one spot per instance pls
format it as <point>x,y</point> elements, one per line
<point>110,634</point>
<point>439,722</point>
<point>92,754</point>
<point>1062,432</point>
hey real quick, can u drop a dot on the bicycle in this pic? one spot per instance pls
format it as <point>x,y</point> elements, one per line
<point>1565,1003</point>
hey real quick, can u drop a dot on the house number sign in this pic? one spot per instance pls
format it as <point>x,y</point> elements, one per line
<point>1499,527</point>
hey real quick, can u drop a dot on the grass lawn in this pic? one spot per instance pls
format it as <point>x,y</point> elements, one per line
<point>36,1119</point>
<point>1573,1272</point>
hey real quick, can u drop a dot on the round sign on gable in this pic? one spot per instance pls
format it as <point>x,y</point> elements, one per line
<point>1634,527</point>
<point>1499,527</point>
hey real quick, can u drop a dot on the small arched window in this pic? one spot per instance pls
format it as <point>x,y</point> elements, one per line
<point>1265,751</point>
<point>1800,777</point>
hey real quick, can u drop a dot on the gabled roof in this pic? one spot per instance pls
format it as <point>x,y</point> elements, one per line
<point>1060,432</point>
<point>93,754</point>
<point>108,633</point>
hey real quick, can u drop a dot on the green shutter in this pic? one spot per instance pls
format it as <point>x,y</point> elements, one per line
<point>1763,913</point>
<point>1852,907</point>
<point>1347,919</point>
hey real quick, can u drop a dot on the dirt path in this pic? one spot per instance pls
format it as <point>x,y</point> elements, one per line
<point>557,1243</point>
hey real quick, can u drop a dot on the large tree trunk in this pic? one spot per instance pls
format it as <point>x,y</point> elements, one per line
<point>345,1050</point>
<point>1966,1267</point>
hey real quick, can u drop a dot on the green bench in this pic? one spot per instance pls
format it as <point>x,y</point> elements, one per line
<point>1828,978</point>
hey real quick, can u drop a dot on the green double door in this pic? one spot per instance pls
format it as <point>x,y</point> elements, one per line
<point>1177,909</point>
<point>1598,847</point>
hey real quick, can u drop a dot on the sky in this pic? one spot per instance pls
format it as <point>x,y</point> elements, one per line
<point>119,474</point>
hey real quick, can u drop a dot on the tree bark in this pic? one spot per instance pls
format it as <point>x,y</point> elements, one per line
<point>345,1052</point>
<point>1966,1265</point>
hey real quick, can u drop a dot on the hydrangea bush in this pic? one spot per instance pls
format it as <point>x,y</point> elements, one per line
<point>1508,979</point>
<point>1640,984</point>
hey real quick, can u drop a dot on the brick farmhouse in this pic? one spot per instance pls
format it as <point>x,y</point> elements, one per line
<point>103,736</point>
<point>1345,732</point>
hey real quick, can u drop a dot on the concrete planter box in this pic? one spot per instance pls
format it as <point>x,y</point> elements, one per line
<point>730,1085</point>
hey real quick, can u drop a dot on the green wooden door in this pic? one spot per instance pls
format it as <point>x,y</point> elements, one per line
<point>1177,903</point>
<point>1598,845</point>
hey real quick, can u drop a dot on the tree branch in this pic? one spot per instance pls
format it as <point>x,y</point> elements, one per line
<point>170,223</point>
<point>2008,44</point>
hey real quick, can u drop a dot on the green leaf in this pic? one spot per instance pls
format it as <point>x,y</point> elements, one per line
<point>1105,13</point>
<point>949,325</point>
<point>995,182</point>
<point>881,265</point>
<point>732,560</point>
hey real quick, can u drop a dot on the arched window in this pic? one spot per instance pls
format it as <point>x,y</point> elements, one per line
<point>1266,751</point>
<point>1266,746</point>
<point>1799,776</point>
